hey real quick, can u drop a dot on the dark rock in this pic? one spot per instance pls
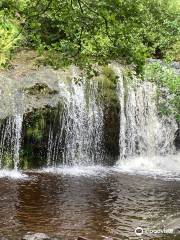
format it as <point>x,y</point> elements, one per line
<point>82,238</point>
<point>177,138</point>
<point>40,89</point>
<point>111,133</point>
<point>36,236</point>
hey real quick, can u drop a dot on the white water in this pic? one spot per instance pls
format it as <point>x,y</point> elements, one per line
<point>146,141</point>
<point>142,131</point>
<point>164,167</point>
<point>17,139</point>
<point>81,123</point>
<point>12,174</point>
<point>95,170</point>
<point>10,140</point>
<point>167,166</point>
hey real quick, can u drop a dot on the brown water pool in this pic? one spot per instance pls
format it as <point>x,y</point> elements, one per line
<point>92,203</point>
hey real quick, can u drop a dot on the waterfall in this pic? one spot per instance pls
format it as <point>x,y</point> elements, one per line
<point>142,131</point>
<point>81,125</point>
<point>18,119</point>
<point>11,131</point>
<point>79,138</point>
<point>10,141</point>
<point>84,127</point>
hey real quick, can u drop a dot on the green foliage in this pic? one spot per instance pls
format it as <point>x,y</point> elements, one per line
<point>7,160</point>
<point>109,75</point>
<point>81,31</point>
<point>24,164</point>
<point>35,131</point>
<point>53,58</point>
<point>168,83</point>
<point>9,36</point>
<point>174,52</point>
<point>36,134</point>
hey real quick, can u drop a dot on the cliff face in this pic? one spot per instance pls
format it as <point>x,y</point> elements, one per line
<point>51,117</point>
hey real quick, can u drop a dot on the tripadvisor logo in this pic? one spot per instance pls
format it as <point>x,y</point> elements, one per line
<point>139,231</point>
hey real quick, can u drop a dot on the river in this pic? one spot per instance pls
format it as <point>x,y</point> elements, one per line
<point>95,202</point>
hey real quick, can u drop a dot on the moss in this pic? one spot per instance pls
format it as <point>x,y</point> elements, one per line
<point>54,59</point>
<point>128,78</point>
<point>107,82</point>
<point>7,160</point>
<point>25,164</point>
<point>36,128</point>
<point>109,75</point>
<point>35,132</point>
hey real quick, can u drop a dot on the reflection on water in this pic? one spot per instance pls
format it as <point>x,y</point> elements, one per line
<point>97,205</point>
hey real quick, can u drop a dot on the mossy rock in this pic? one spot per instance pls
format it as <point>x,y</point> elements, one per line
<point>40,89</point>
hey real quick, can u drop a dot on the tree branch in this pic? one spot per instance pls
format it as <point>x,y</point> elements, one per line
<point>80,6</point>
<point>103,17</point>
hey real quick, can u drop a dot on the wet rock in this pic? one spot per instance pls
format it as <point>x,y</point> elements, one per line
<point>174,65</point>
<point>111,128</point>
<point>177,138</point>
<point>82,238</point>
<point>36,236</point>
<point>40,89</point>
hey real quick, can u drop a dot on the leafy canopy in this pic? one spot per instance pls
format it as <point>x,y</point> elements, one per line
<point>168,87</point>
<point>95,30</point>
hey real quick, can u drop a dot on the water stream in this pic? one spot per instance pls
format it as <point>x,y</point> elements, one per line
<point>10,141</point>
<point>81,123</point>
<point>142,131</point>
<point>77,134</point>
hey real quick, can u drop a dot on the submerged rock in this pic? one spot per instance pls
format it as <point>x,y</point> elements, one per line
<point>42,236</point>
<point>36,236</point>
<point>82,238</point>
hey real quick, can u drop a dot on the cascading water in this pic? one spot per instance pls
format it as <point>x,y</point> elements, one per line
<point>10,141</point>
<point>17,139</point>
<point>142,131</point>
<point>77,133</point>
<point>10,137</point>
<point>144,136</point>
<point>79,140</point>
<point>81,124</point>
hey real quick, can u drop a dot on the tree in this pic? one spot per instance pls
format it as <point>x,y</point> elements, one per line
<point>98,30</point>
